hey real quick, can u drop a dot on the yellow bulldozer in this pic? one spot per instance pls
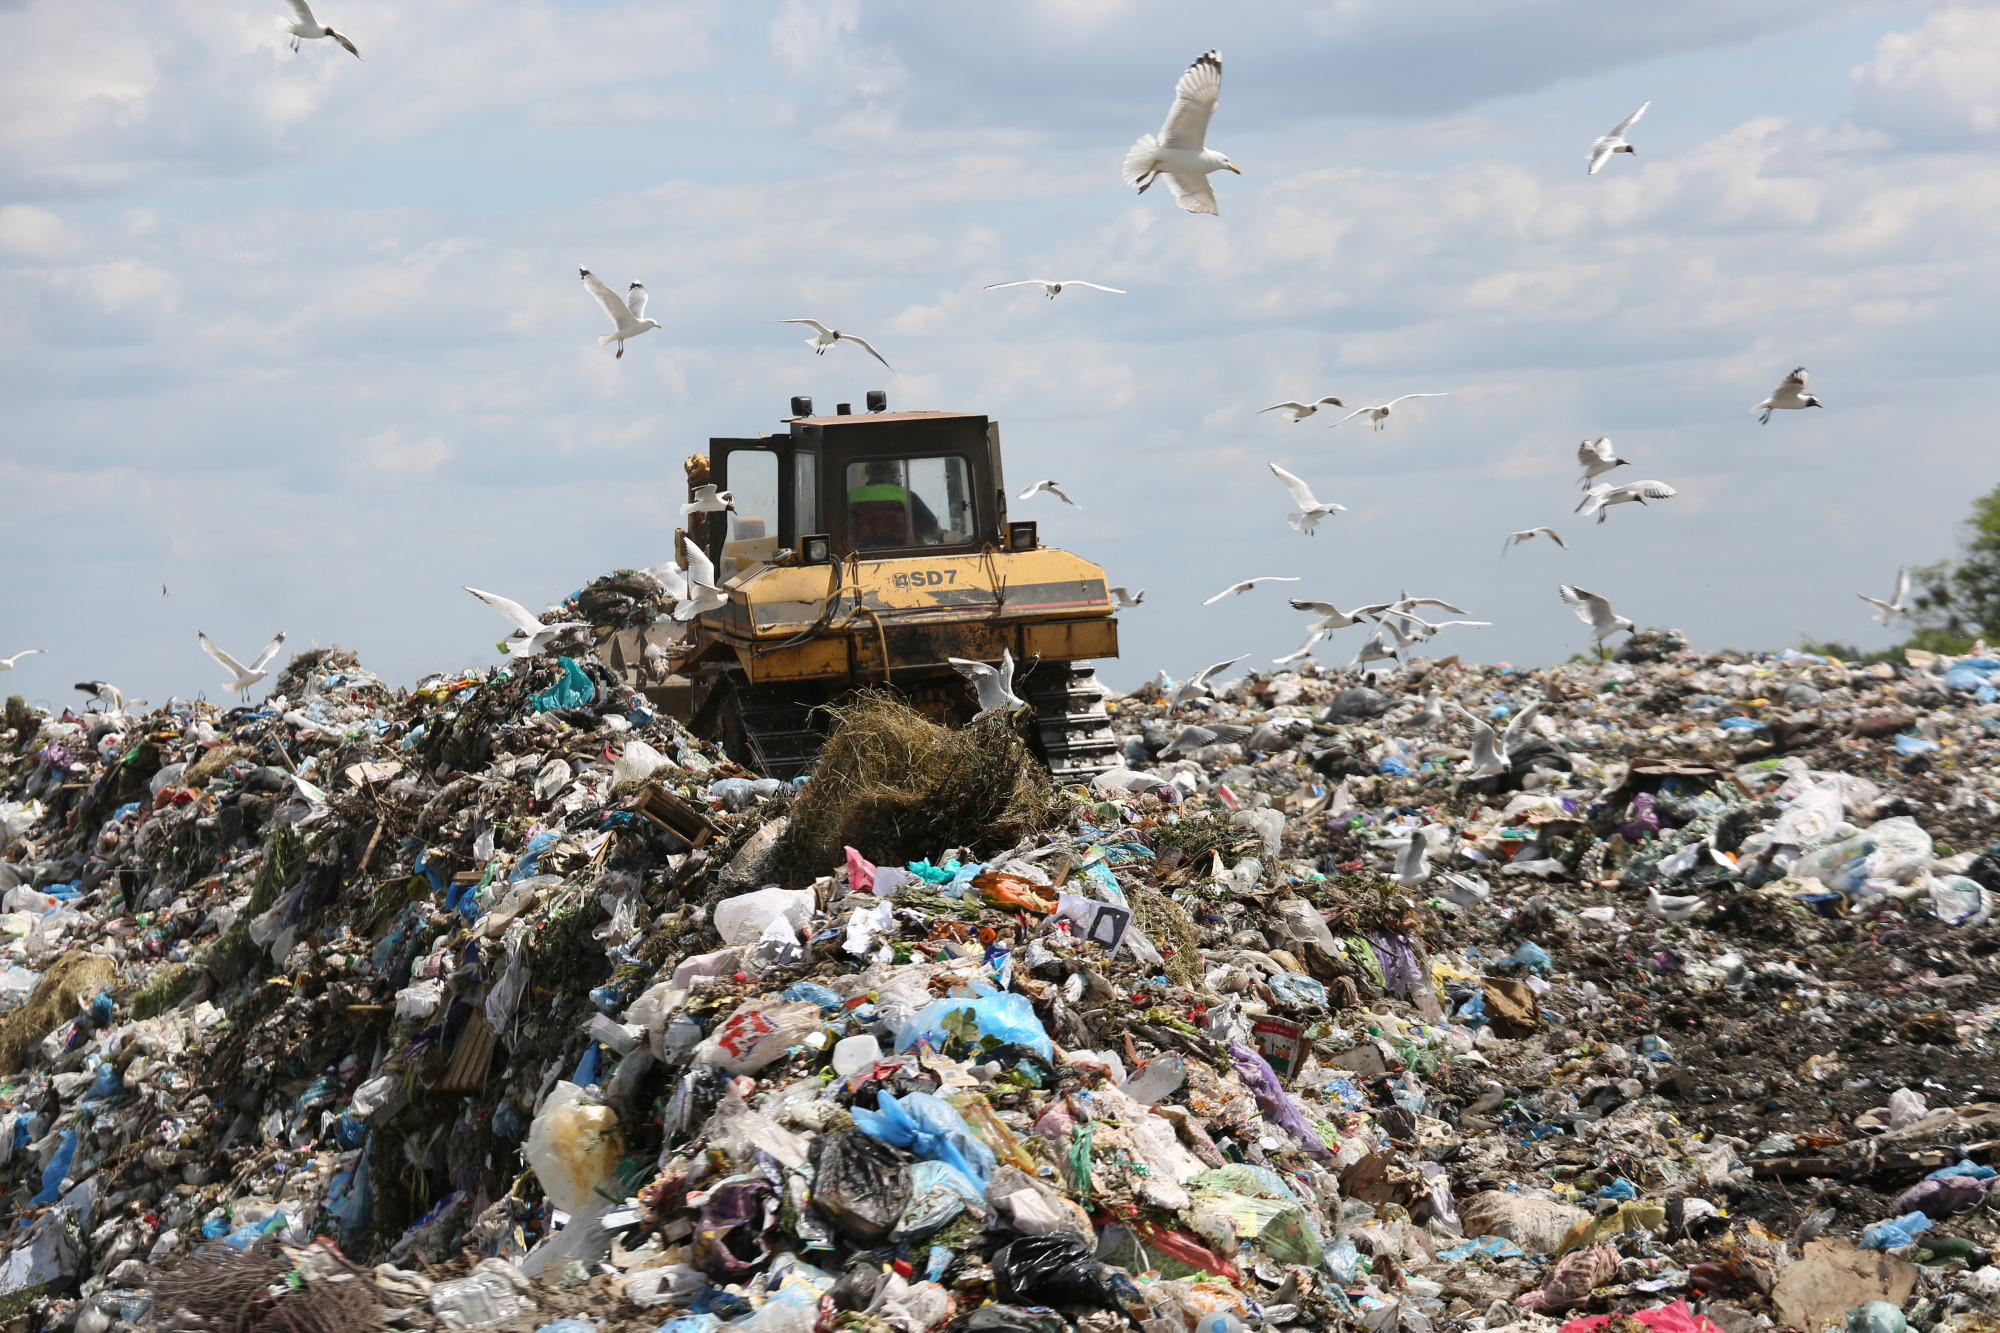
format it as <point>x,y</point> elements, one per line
<point>865,550</point>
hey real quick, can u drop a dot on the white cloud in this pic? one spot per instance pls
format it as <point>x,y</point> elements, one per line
<point>1934,86</point>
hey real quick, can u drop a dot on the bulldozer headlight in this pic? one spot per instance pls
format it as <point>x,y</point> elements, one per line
<point>1021,537</point>
<point>816,550</point>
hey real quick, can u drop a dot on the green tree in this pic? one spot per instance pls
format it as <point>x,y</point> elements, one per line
<point>1959,601</point>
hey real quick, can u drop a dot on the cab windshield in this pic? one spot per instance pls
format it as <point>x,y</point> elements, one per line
<point>898,502</point>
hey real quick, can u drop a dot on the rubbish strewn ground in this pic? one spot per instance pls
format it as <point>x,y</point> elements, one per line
<point>504,1001</point>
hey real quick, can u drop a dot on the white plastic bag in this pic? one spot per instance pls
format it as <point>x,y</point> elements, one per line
<point>573,1144</point>
<point>741,920</point>
<point>636,763</point>
<point>756,1033</point>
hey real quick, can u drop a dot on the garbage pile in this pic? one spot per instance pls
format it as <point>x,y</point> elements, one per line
<point>1656,992</point>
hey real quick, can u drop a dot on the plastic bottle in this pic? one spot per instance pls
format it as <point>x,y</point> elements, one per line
<point>854,1054</point>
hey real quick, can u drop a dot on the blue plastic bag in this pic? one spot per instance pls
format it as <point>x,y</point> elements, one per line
<point>1895,1232</point>
<point>1008,1017</point>
<point>823,996</point>
<point>1533,957</point>
<point>574,690</point>
<point>929,1128</point>
<point>58,1167</point>
<point>531,855</point>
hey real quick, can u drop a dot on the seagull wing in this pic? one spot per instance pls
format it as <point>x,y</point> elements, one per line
<point>1792,388</point>
<point>1523,723</point>
<point>1195,97</point>
<point>1351,415</point>
<point>1062,495</point>
<point>635,300</point>
<point>1902,586</point>
<point>270,651</point>
<point>1302,495</point>
<point>303,13</point>
<point>1031,490</point>
<point>229,663</point>
<point>1317,608</point>
<point>810,323</point>
<point>1193,193</point>
<point>1595,451</point>
<point>700,570</point>
<point>1234,587</point>
<point>1652,490</point>
<point>1618,130</point>
<point>342,39</point>
<point>1408,602</point>
<point>975,672</point>
<point>1304,650</point>
<point>1393,401</point>
<point>1025,282</point>
<point>1115,291</point>
<point>669,576</point>
<point>1296,407</point>
<point>1600,152</point>
<point>1591,609</point>
<point>1553,536</point>
<point>869,347</point>
<point>514,611</point>
<point>1207,673</point>
<point>1886,608</point>
<point>614,304</point>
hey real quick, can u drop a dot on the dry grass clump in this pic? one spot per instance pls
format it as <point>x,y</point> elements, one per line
<point>59,996</point>
<point>899,787</point>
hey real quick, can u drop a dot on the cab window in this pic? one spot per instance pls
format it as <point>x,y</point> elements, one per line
<point>753,523</point>
<point>899,502</point>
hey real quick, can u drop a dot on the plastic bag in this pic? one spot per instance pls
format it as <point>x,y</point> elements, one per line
<point>741,920</point>
<point>1009,1018</point>
<point>1056,1269</point>
<point>939,1192</point>
<point>574,690</point>
<point>1033,1208</point>
<point>1894,1233</point>
<point>755,1034</point>
<point>1876,1317</point>
<point>931,1129</point>
<point>1300,922</point>
<point>1257,1075</point>
<point>1942,1196</point>
<point>636,763</point>
<point>573,1144</point>
<point>494,1292</point>
<point>860,1184</point>
<point>1958,901</point>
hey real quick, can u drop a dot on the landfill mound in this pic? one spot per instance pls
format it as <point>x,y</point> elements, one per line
<point>1654,993</point>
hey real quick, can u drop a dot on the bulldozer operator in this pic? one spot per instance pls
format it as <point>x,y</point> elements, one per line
<point>883,512</point>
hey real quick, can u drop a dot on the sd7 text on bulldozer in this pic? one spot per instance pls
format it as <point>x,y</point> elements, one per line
<point>864,551</point>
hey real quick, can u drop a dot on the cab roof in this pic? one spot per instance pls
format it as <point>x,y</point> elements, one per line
<point>858,418</point>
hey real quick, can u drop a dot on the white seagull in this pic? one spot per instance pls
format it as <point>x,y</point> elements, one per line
<point>302,25</point>
<point>1599,497</point>
<point>1413,853</point>
<point>1467,891</point>
<point>1378,648</point>
<point>1789,395</point>
<point>530,636</point>
<point>7,663</point>
<point>1671,907</point>
<point>1054,289</point>
<point>242,677</point>
<point>1300,411</point>
<point>1407,602</point>
<point>1529,534</point>
<point>701,593</point>
<point>1604,145</point>
<point>1332,617</point>
<point>1304,650</point>
<point>1052,489</point>
<point>1596,457</point>
<point>1593,611</point>
<point>1432,714</point>
<point>669,576</point>
<point>1178,153</point>
<point>1893,608</point>
<point>627,312</point>
<point>994,685</point>
<point>108,696</point>
<point>824,337</point>
<point>1125,599</point>
<point>708,500</point>
<point>1380,414</point>
<point>1489,756</point>
<point>1248,584</point>
<point>1425,630</point>
<point>1198,683</point>
<point>1312,510</point>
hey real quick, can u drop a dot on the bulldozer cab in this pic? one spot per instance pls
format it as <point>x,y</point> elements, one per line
<point>884,484</point>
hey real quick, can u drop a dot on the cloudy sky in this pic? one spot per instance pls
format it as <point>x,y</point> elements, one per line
<point>300,336</point>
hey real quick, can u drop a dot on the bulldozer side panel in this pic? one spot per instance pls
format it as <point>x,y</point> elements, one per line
<point>816,659</point>
<point>1069,641</point>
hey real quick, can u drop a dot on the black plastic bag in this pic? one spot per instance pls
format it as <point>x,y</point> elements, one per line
<point>1006,1319</point>
<point>861,1184</point>
<point>856,1288</point>
<point>1057,1269</point>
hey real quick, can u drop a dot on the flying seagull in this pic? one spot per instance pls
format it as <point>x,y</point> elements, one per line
<point>1894,607</point>
<point>1194,737</point>
<point>1604,145</point>
<point>1379,649</point>
<point>1599,497</point>
<point>1198,683</point>
<point>824,337</point>
<point>1597,457</point>
<point>1300,411</point>
<point>7,663</point>
<point>302,25</point>
<point>1054,289</point>
<point>108,696</point>
<point>1052,489</point>
<point>1178,153</point>
<point>708,500</point>
<point>1489,757</point>
<point>1312,510</point>
<point>1593,611</point>
<point>1304,650</point>
<point>1407,603</point>
<point>1529,534</point>
<point>242,677</point>
<point>994,685</point>
<point>1380,414</point>
<point>627,312</point>
<point>1332,617</point>
<point>701,593</point>
<point>1125,599</point>
<point>1466,891</point>
<point>1431,714</point>
<point>1425,630</point>
<point>1248,584</point>
<point>1790,394</point>
<point>530,636</point>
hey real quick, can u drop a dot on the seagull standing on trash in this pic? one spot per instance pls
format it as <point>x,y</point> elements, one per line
<point>1593,611</point>
<point>701,593</point>
<point>995,686</point>
<point>1413,853</point>
<point>1124,600</point>
<point>1248,584</point>
<point>1604,145</point>
<point>1601,496</point>
<point>1052,489</point>
<point>1180,152</point>
<point>7,663</point>
<point>1432,714</point>
<point>242,678</point>
<point>708,500</point>
<point>303,26</point>
<point>530,637</point>
<point>1311,511</point>
<point>1489,758</point>
<point>108,696</point>
<point>1054,289</point>
<point>824,337</point>
<point>1893,608</point>
<point>1790,395</point>
<point>1595,457</point>
<point>1529,534</point>
<point>627,312</point>
<point>1380,414</point>
<point>1300,411</point>
<point>1673,908</point>
<point>1198,683</point>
